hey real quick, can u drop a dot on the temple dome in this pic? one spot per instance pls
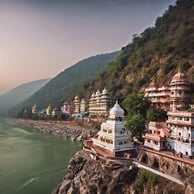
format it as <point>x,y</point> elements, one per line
<point>98,93</point>
<point>116,111</point>
<point>104,91</point>
<point>179,77</point>
<point>76,97</point>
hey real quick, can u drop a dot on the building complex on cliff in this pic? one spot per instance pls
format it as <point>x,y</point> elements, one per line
<point>177,133</point>
<point>112,136</point>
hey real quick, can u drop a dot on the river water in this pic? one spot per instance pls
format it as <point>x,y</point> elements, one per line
<point>32,162</point>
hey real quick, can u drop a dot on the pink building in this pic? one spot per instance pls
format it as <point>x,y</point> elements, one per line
<point>156,137</point>
<point>68,107</point>
<point>159,96</point>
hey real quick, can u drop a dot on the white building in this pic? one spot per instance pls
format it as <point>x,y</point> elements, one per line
<point>99,103</point>
<point>181,128</point>
<point>112,135</point>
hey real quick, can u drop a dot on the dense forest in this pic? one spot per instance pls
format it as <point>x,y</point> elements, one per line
<point>155,55</point>
<point>70,82</point>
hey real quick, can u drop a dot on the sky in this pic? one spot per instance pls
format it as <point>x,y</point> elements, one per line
<point>41,38</point>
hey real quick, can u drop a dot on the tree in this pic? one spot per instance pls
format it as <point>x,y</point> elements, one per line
<point>136,104</point>
<point>136,107</point>
<point>156,114</point>
<point>136,124</point>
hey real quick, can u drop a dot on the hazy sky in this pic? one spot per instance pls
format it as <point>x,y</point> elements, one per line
<point>40,38</point>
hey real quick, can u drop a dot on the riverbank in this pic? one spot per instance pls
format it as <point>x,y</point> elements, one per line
<point>74,130</point>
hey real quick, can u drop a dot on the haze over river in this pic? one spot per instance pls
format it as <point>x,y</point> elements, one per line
<point>32,162</point>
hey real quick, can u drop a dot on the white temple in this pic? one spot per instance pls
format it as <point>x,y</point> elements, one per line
<point>112,135</point>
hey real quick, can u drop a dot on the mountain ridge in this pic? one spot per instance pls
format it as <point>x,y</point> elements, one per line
<point>19,93</point>
<point>69,82</point>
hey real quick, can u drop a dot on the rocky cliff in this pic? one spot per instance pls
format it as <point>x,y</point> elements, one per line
<point>88,176</point>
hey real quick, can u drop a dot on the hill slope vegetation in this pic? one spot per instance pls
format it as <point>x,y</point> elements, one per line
<point>155,55</point>
<point>69,82</point>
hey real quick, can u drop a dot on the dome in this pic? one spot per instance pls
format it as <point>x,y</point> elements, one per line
<point>104,91</point>
<point>179,77</point>
<point>98,93</point>
<point>116,111</point>
<point>76,97</point>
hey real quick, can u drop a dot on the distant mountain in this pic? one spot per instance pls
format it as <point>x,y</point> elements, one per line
<point>19,94</point>
<point>155,55</point>
<point>70,82</point>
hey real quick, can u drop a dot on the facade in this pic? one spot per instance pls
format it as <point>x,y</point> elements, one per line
<point>112,135</point>
<point>83,106</point>
<point>159,96</point>
<point>99,103</point>
<point>76,105</point>
<point>177,134</point>
<point>34,109</point>
<point>56,112</point>
<point>68,107</point>
<point>156,138</point>
<point>175,95</point>
<point>179,92</point>
<point>181,128</point>
<point>49,110</point>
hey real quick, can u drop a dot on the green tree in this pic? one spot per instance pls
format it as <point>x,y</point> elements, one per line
<point>136,124</point>
<point>156,114</point>
<point>136,104</point>
<point>136,107</point>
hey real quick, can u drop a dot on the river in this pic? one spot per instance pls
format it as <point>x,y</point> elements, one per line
<point>32,162</point>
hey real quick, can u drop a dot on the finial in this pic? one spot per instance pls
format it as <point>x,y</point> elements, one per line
<point>179,70</point>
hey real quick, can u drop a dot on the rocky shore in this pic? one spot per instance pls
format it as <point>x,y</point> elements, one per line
<point>74,130</point>
<point>88,176</point>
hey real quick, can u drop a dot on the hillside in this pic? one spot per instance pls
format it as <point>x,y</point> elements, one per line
<point>19,94</point>
<point>155,55</point>
<point>69,82</point>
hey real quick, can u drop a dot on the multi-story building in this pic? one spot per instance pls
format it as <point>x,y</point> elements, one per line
<point>76,105</point>
<point>180,123</point>
<point>68,107</point>
<point>112,135</point>
<point>99,103</point>
<point>83,106</point>
<point>181,132</point>
<point>159,96</point>
<point>179,92</point>
<point>156,137</point>
<point>176,94</point>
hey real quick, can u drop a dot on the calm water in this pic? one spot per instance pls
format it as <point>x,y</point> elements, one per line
<point>32,162</point>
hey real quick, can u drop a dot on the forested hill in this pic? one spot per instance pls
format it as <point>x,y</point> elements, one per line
<point>154,55</point>
<point>19,94</point>
<point>69,82</point>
